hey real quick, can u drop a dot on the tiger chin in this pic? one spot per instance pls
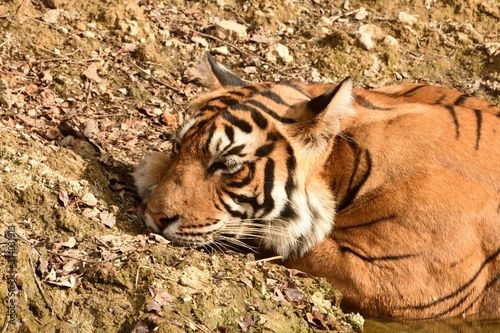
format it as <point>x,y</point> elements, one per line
<point>392,194</point>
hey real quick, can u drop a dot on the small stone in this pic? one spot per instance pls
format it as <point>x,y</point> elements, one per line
<point>230,30</point>
<point>390,41</point>
<point>81,26</point>
<point>374,31</point>
<point>89,199</point>
<point>407,18</point>
<point>221,50</point>
<point>157,111</point>
<point>282,51</point>
<point>365,41</point>
<point>89,34</point>
<point>91,128</point>
<point>6,169</point>
<point>361,14</point>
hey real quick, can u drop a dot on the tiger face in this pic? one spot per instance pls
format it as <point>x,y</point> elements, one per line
<point>233,170</point>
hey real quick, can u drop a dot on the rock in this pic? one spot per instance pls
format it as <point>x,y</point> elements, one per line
<point>282,52</point>
<point>230,30</point>
<point>407,18</point>
<point>365,41</point>
<point>390,41</point>
<point>221,50</point>
<point>374,31</point>
<point>89,34</point>
<point>361,14</point>
<point>89,199</point>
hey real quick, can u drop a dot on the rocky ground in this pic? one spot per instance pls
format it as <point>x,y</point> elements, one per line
<point>86,88</point>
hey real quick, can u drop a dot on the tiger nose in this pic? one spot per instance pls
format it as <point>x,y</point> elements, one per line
<point>161,220</point>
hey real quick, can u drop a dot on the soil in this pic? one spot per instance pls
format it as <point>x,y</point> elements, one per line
<point>86,88</point>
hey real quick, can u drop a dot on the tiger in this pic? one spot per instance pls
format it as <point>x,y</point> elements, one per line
<point>391,194</point>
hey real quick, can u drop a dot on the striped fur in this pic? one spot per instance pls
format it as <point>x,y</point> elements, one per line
<point>392,195</point>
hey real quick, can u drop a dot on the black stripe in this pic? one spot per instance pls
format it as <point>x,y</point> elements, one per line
<point>270,112</point>
<point>441,99</point>
<point>488,286</point>
<point>211,107</point>
<point>233,213</point>
<point>353,189</point>
<point>290,168</point>
<point>264,150</point>
<point>479,120</point>
<point>274,97</point>
<point>229,133</point>
<point>268,203</point>
<point>461,99</point>
<point>238,198</point>
<point>211,132</point>
<point>293,85</point>
<point>258,119</point>
<point>367,104</point>
<point>240,123</point>
<point>412,90</point>
<point>460,289</point>
<point>236,150</point>
<point>373,259</point>
<point>385,218</point>
<point>451,308</point>
<point>288,213</point>
<point>245,181</point>
<point>453,114</point>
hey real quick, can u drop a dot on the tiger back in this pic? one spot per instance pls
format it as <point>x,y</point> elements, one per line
<point>392,195</point>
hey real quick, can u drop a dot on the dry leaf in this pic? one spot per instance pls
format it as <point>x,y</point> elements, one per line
<point>316,319</point>
<point>71,242</point>
<point>108,219</point>
<point>63,196</point>
<point>91,73</point>
<point>140,327</point>
<point>161,297</point>
<point>71,266</point>
<point>294,295</point>
<point>91,213</point>
<point>64,281</point>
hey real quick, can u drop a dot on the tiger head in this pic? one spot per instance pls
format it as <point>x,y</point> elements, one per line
<point>248,164</point>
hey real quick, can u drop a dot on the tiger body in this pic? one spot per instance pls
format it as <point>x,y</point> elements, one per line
<point>392,195</point>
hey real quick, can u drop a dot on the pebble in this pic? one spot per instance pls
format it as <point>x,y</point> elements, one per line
<point>407,18</point>
<point>89,34</point>
<point>361,14</point>
<point>89,199</point>
<point>390,41</point>
<point>221,50</point>
<point>226,29</point>
<point>366,41</point>
<point>282,52</point>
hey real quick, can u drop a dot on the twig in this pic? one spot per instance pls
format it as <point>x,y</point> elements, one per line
<point>17,12</point>
<point>161,275</point>
<point>155,79</point>
<point>40,288</point>
<point>71,257</point>
<point>264,260</point>
<point>201,328</point>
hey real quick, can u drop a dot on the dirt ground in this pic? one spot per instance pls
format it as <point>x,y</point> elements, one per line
<point>86,88</point>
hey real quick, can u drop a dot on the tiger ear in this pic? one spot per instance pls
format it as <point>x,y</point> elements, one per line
<point>215,75</point>
<point>336,102</point>
<point>321,118</point>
